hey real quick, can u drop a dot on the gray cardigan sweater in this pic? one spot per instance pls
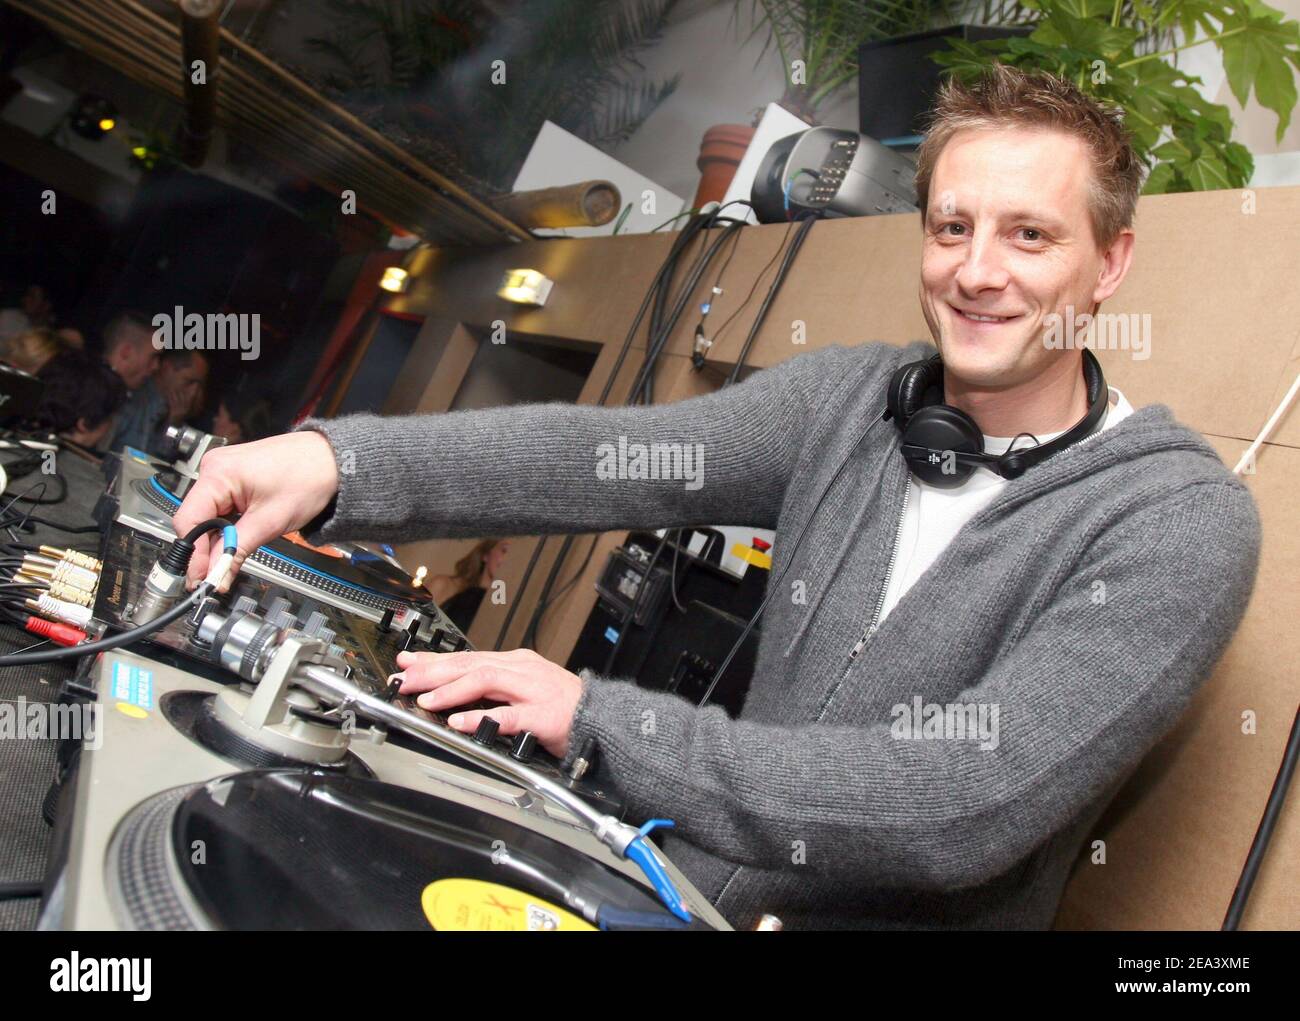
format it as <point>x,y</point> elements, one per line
<point>1084,606</point>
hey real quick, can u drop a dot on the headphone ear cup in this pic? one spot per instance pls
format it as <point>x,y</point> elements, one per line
<point>936,430</point>
<point>907,387</point>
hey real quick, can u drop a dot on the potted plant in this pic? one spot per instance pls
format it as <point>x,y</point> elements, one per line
<point>1104,46</point>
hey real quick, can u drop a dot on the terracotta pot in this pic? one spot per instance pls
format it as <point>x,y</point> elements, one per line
<point>720,153</point>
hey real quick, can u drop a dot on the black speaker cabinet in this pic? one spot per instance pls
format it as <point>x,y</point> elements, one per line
<point>897,81</point>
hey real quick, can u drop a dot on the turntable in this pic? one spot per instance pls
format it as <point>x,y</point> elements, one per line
<point>253,767</point>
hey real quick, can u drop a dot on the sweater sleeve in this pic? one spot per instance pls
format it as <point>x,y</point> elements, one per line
<point>723,458</point>
<point>1082,694</point>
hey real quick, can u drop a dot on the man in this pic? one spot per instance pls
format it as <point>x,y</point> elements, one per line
<point>129,351</point>
<point>34,312</point>
<point>164,389</point>
<point>80,398</point>
<point>1073,609</point>
<point>182,379</point>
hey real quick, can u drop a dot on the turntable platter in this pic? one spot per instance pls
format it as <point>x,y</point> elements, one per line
<point>292,849</point>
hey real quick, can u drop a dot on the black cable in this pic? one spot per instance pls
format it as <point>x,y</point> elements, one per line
<point>773,583</point>
<point>661,328</point>
<point>104,644</point>
<point>17,891</point>
<point>778,281</point>
<point>1267,823</point>
<point>679,243</point>
<point>780,250</point>
<point>72,529</point>
<point>203,528</point>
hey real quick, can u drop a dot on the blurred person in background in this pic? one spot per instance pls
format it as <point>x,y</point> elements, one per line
<point>182,379</point>
<point>32,350</point>
<point>129,352</point>
<point>460,594</point>
<point>242,419</point>
<point>81,396</point>
<point>34,310</point>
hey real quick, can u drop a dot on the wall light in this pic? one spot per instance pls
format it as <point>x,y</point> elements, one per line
<point>418,579</point>
<point>394,279</point>
<point>525,287</point>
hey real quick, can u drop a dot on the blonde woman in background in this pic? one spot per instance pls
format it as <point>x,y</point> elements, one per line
<point>32,350</point>
<point>460,594</point>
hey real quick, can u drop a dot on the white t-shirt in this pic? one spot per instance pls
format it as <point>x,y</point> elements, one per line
<point>934,516</point>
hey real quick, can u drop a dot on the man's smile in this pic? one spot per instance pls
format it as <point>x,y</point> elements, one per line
<point>982,319</point>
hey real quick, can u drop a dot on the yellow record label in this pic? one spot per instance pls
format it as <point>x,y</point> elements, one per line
<point>471,905</point>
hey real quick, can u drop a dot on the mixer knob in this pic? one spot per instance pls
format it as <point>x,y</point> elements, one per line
<point>283,619</point>
<point>487,731</point>
<point>412,633</point>
<point>278,605</point>
<point>525,744</point>
<point>316,623</point>
<point>244,604</point>
<point>325,635</point>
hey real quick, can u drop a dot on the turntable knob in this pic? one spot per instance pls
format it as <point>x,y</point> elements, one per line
<point>244,604</point>
<point>315,624</point>
<point>278,605</point>
<point>486,733</point>
<point>525,744</point>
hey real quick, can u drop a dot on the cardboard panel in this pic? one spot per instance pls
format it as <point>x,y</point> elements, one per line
<point>1178,833</point>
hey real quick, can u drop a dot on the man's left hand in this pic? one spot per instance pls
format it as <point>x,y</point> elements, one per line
<point>540,695</point>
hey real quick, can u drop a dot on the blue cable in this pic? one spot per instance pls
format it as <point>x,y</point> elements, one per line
<point>230,539</point>
<point>642,852</point>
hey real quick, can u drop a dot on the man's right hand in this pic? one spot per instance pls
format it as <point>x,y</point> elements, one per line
<point>277,485</point>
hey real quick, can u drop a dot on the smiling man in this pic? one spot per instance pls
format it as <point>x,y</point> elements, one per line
<point>971,644</point>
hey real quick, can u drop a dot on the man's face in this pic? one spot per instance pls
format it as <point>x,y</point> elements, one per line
<point>225,426</point>
<point>1007,234</point>
<point>134,358</point>
<point>186,380</point>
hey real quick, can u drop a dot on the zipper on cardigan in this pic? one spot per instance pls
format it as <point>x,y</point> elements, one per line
<point>889,572</point>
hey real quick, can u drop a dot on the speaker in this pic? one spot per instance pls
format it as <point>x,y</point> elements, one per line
<point>897,81</point>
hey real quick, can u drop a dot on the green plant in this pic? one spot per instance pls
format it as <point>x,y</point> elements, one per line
<point>824,36</point>
<point>1184,138</point>
<point>426,73</point>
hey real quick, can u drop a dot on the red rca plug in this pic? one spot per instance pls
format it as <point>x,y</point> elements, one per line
<point>60,634</point>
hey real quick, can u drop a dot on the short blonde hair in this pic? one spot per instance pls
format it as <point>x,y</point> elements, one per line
<point>1008,97</point>
<point>32,349</point>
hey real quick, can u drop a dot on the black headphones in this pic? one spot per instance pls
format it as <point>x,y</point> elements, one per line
<point>943,446</point>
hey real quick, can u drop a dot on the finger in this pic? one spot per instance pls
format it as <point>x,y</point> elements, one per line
<point>427,670</point>
<point>466,691</point>
<point>199,560</point>
<point>511,719</point>
<point>207,498</point>
<point>486,682</point>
